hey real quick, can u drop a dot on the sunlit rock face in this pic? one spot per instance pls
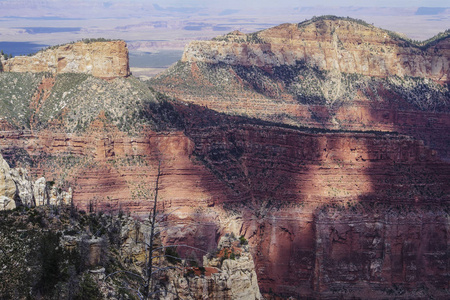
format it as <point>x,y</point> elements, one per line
<point>7,187</point>
<point>330,44</point>
<point>333,73</point>
<point>100,59</point>
<point>18,189</point>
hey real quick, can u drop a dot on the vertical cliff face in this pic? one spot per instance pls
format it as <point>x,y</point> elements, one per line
<point>100,59</point>
<point>390,251</point>
<point>296,188</point>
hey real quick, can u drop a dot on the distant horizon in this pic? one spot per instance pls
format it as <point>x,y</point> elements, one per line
<point>160,26</point>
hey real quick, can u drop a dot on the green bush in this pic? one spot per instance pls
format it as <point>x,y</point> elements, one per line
<point>243,240</point>
<point>172,255</point>
<point>88,289</point>
<point>51,260</point>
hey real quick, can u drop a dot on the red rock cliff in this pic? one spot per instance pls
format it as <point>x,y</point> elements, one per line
<point>303,199</point>
<point>330,211</point>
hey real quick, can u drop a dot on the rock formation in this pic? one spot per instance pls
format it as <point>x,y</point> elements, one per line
<point>229,275</point>
<point>261,180</point>
<point>7,187</point>
<point>338,44</point>
<point>329,72</point>
<point>339,78</point>
<point>101,59</point>
<point>17,188</point>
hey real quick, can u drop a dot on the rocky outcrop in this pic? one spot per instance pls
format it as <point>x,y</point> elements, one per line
<point>24,186</point>
<point>339,44</point>
<point>227,274</point>
<point>100,59</point>
<point>17,188</point>
<point>7,187</point>
<point>40,191</point>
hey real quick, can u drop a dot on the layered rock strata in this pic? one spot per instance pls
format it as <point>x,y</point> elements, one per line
<point>345,208</point>
<point>101,59</point>
<point>228,174</point>
<point>329,73</point>
<point>288,177</point>
<point>330,44</point>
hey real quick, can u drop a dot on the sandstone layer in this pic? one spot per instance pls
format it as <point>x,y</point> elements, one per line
<point>227,174</point>
<point>331,44</point>
<point>101,59</point>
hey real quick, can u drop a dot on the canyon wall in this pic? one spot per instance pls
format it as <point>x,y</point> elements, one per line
<point>340,45</point>
<point>101,59</point>
<point>330,73</point>
<point>302,194</point>
<point>280,187</point>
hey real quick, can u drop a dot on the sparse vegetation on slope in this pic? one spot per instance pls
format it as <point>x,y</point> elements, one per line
<point>332,18</point>
<point>86,41</point>
<point>16,90</point>
<point>76,100</point>
<point>307,84</point>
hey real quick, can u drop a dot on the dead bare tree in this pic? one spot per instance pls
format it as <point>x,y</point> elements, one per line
<point>152,217</point>
<point>151,270</point>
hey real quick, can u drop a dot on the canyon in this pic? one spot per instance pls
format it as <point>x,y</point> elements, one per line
<point>336,172</point>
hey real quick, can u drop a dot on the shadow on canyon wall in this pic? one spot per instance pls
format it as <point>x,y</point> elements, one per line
<point>328,212</point>
<point>331,212</point>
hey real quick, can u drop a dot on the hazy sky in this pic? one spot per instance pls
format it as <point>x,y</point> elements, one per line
<point>125,8</point>
<point>172,23</point>
<point>238,3</point>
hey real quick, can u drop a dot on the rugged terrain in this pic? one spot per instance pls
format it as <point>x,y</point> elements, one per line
<point>57,252</point>
<point>329,72</point>
<point>338,179</point>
